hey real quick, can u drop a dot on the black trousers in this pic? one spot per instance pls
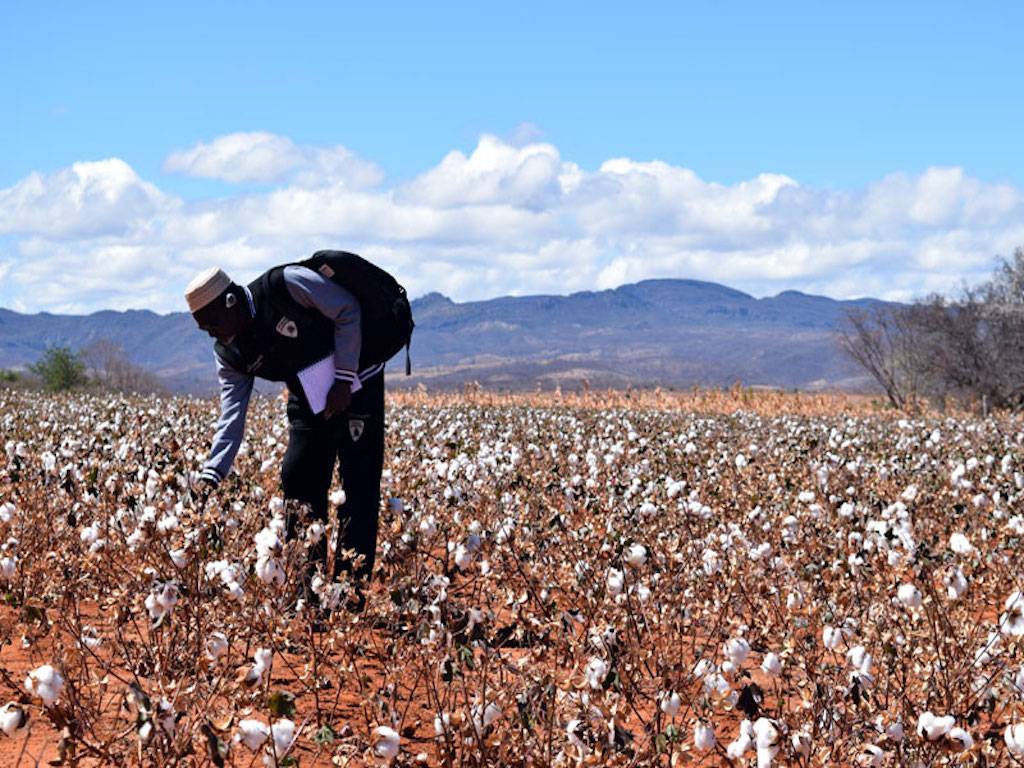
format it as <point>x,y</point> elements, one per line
<point>356,437</point>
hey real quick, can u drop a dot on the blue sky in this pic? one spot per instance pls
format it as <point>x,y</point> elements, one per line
<point>835,96</point>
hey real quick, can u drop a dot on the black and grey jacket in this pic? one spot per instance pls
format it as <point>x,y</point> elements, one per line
<point>299,317</point>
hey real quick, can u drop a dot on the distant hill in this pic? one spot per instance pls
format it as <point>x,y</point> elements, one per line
<point>673,333</point>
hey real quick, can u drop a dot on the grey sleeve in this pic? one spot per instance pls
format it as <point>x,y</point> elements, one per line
<point>311,289</point>
<point>235,391</point>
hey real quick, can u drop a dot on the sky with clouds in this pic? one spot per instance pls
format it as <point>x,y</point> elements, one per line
<point>850,151</point>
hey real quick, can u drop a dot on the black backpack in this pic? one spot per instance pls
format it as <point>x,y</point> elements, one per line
<point>386,317</point>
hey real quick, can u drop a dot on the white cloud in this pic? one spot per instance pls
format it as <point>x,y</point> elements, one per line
<point>262,157</point>
<point>86,200</point>
<point>509,217</point>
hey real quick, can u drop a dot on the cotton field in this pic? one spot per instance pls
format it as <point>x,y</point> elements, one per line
<point>557,585</point>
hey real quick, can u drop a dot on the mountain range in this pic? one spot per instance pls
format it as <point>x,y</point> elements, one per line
<point>670,333</point>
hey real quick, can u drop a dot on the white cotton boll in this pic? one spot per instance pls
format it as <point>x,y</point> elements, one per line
<point>338,497</point>
<point>267,465</point>
<point>962,737</point>
<point>428,526</point>
<point>89,637</point>
<point>46,683</point>
<point>262,660</point>
<point>314,532</point>
<point>387,742</point>
<point>960,544</point>
<point>771,665</point>
<point>7,511</point>
<point>670,703</point>
<point>833,637</point>
<point>267,541</point>
<point>895,732</point>
<point>616,581</point>
<point>276,506</point>
<point>766,740</point>
<point>710,562</point>
<point>441,723</point>
<point>794,600</point>
<point>216,644</point>
<point>282,733</point>
<point>12,719</point>
<point>766,735</point>
<point>703,737</point>
<point>801,741</point>
<point>252,733</point>
<point>740,461</point>
<point>269,571</point>
<point>932,727</point>
<point>872,756</point>
<point>161,600</point>
<point>636,555</point>
<point>703,668</point>
<point>737,749</point>
<point>744,742</point>
<point>571,733</point>
<point>736,650</point>
<point>1014,738</point>
<point>179,557</point>
<point>463,557</point>
<point>167,523</point>
<point>596,672</point>
<point>956,584</point>
<point>8,566</point>
<point>909,493</point>
<point>1012,621</point>
<point>760,551</point>
<point>909,595</point>
<point>90,533</point>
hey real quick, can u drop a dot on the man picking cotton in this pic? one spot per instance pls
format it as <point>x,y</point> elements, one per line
<point>324,327</point>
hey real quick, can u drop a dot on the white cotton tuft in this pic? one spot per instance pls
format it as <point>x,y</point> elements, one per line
<point>46,683</point>
<point>771,665</point>
<point>252,733</point>
<point>933,727</point>
<point>670,703</point>
<point>909,595</point>
<point>703,737</point>
<point>12,719</point>
<point>636,555</point>
<point>596,671</point>
<point>387,742</point>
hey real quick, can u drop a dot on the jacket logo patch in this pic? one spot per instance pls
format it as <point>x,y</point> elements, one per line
<point>287,328</point>
<point>326,271</point>
<point>255,364</point>
<point>355,429</point>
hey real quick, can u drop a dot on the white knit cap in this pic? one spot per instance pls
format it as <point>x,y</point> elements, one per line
<point>205,287</point>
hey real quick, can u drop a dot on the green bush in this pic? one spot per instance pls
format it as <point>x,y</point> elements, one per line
<point>60,369</point>
<point>8,377</point>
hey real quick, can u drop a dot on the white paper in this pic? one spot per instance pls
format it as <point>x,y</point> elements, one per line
<point>317,380</point>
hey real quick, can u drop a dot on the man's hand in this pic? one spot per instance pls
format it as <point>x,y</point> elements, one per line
<point>338,399</point>
<point>201,490</point>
